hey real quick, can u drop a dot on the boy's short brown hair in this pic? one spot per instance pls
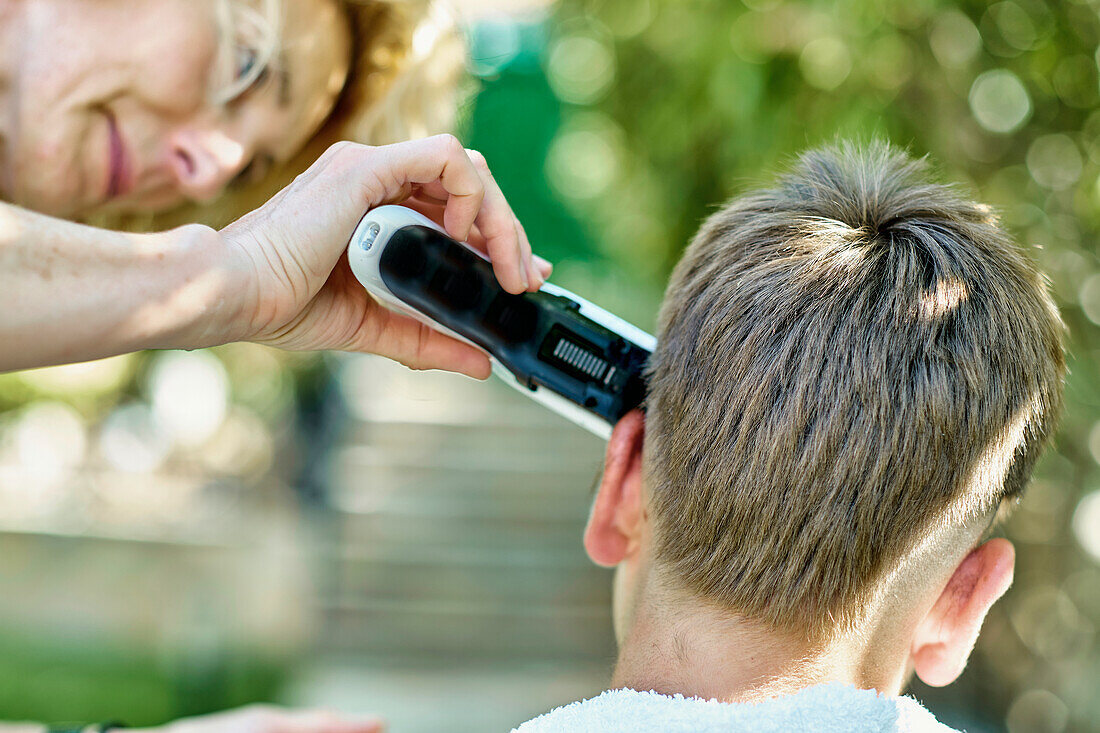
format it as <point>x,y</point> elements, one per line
<point>845,361</point>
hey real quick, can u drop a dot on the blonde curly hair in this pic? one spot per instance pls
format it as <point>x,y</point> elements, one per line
<point>406,80</point>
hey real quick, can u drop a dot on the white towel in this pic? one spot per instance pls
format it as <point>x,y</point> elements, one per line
<point>830,708</point>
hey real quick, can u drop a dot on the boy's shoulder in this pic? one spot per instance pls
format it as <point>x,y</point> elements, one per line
<point>830,707</point>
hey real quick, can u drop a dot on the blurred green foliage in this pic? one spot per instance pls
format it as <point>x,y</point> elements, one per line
<point>67,680</point>
<point>675,106</point>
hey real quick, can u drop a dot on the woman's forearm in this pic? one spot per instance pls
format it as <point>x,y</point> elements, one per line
<point>276,276</point>
<point>71,293</point>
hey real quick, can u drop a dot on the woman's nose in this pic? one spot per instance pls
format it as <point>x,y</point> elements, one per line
<point>204,161</point>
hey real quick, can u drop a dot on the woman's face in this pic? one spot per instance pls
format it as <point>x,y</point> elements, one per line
<point>113,105</point>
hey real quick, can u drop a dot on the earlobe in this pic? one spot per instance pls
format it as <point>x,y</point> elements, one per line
<point>944,639</point>
<point>617,513</point>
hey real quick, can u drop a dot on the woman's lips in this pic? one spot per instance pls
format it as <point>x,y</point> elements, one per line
<point>120,178</point>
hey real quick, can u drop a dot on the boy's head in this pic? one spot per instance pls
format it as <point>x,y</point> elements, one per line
<point>855,369</point>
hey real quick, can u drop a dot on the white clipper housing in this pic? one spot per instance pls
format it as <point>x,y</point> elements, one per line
<point>365,250</point>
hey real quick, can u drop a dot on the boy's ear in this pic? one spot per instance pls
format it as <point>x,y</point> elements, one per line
<point>618,513</point>
<point>944,639</point>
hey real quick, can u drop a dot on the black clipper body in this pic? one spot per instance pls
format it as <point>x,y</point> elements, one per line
<point>559,349</point>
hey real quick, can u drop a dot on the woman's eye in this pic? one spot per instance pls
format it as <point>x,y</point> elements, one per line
<point>248,78</point>
<point>246,61</point>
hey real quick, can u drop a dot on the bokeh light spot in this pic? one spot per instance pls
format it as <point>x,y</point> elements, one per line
<point>1086,524</point>
<point>581,69</point>
<point>999,101</point>
<point>1037,711</point>
<point>1089,298</point>
<point>628,18</point>
<point>1094,442</point>
<point>243,446</point>
<point>1048,622</point>
<point>584,158</point>
<point>825,63</point>
<point>1013,24</point>
<point>131,441</point>
<point>1054,161</point>
<point>891,62</point>
<point>1075,81</point>
<point>954,39</point>
<point>189,392</point>
<point>50,441</point>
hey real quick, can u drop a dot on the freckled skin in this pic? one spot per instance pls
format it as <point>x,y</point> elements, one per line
<point>154,65</point>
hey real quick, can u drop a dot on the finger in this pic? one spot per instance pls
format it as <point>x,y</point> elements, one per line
<point>497,223</point>
<point>428,207</point>
<point>443,160</point>
<point>496,214</point>
<point>349,725</point>
<point>540,268</point>
<point>431,193</point>
<point>535,277</point>
<point>531,277</point>
<point>476,240</point>
<point>545,268</point>
<point>425,200</point>
<point>324,721</point>
<point>434,211</point>
<point>357,724</point>
<point>418,346</point>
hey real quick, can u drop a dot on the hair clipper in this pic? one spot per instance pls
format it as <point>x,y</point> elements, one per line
<point>556,347</point>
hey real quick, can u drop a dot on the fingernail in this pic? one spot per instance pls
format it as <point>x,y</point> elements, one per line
<point>544,266</point>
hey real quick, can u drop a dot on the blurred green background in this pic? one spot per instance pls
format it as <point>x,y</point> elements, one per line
<point>183,532</point>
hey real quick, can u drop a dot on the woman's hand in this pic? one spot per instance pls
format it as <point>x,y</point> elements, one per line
<point>270,719</point>
<point>301,294</point>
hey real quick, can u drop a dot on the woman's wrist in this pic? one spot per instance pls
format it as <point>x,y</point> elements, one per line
<point>209,291</point>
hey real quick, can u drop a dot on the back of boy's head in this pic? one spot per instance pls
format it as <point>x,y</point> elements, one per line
<point>846,362</point>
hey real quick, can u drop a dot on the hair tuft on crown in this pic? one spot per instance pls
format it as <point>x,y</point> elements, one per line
<point>875,188</point>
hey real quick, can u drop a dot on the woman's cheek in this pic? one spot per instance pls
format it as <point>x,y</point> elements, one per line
<point>48,172</point>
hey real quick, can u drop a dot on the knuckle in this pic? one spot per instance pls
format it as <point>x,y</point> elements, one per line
<point>499,223</point>
<point>478,159</point>
<point>343,151</point>
<point>422,339</point>
<point>338,148</point>
<point>450,144</point>
<point>414,358</point>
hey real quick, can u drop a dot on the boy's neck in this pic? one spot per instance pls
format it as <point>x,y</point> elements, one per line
<point>701,651</point>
